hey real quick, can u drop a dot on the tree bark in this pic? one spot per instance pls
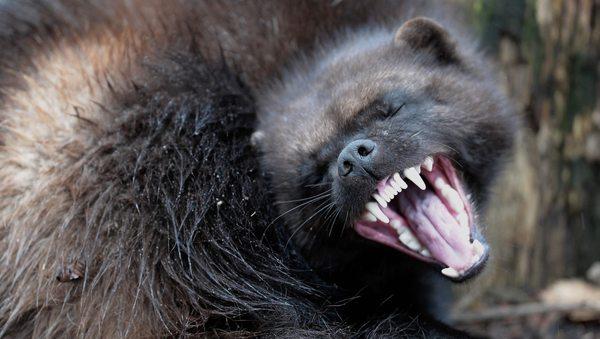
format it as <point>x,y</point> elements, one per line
<point>544,217</point>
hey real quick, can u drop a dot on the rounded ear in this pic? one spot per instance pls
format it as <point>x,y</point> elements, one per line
<point>256,139</point>
<point>426,35</point>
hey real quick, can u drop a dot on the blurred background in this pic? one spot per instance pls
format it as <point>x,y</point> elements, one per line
<point>544,218</point>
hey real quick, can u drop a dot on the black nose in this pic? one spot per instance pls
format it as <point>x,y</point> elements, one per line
<point>357,158</point>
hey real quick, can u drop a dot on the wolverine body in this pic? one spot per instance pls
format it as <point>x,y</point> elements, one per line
<point>131,200</point>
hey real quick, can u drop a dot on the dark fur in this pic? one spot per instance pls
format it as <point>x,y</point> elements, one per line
<point>137,207</point>
<point>414,91</point>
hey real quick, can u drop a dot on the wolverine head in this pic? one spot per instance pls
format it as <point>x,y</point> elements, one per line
<point>389,136</point>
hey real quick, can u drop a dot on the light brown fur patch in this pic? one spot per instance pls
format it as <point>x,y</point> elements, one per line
<point>50,127</point>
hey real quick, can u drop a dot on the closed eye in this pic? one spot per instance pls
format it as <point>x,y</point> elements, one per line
<point>388,112</point>
<point>397,110</point>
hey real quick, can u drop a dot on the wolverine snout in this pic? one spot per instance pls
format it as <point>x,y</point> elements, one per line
<point>357,159</point>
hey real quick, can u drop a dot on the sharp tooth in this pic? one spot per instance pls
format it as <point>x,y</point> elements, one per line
<point>412,175</point>
<point>380,200</point>
<point>373,207</point>
<point>450,272</point>
<point>428,164</point>
<point>390,191</point>
<point>399,180</point>
<point>368,216</point>
<point>425,252</point>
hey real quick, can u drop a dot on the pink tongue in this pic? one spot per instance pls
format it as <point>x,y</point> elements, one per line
<point>435,227</point>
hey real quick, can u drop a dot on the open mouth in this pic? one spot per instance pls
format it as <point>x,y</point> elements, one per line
<point>424,212</point>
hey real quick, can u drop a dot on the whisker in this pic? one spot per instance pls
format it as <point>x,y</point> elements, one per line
<point>316,198</point>
<point>297,228</point>
<point>337,213</point>
<point>295,182</point>
<point>458,164</point>
<point>323,205</point>
<point>447,146</point>
<point>328,214</point>
<point>320,184</point>
<point>345,224</point>
<point>302,204</point>
<point>415,134</point>
<point>328,223</point>
<point>279,202</point>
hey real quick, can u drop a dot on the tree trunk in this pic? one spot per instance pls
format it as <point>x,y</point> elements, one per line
<point>544,218</point>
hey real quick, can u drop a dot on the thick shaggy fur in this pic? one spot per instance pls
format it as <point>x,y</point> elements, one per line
<point>446,101</point>
<point>131,202</point>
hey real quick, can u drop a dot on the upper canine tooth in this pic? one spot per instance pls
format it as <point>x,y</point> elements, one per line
<point>412,175</point>
<point>373,207</point>
<point>399,180</point>
<point>450,272</point>
<point>380,200</point>
<point>428,164</point>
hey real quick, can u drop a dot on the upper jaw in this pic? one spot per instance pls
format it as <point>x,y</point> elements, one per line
<point>424,212</point>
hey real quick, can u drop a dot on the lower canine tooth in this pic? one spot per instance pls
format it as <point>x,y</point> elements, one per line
<point>373,207</point>
<point>450,272</point>
<point>425,252</point>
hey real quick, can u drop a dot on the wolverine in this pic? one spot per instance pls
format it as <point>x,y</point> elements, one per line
<point>240,168</point>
